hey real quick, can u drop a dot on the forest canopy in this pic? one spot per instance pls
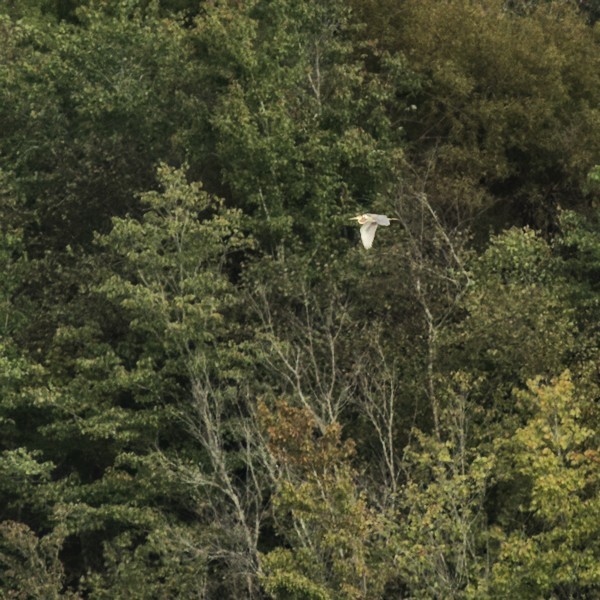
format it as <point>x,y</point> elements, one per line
<point>210,389</point>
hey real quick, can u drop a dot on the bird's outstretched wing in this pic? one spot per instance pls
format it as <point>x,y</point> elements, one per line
<point>380,219</point>
<point>367,234</point>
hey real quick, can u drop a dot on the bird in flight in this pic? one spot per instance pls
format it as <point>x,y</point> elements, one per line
<point>369,223</point>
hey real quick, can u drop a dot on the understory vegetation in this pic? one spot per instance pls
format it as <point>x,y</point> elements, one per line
<point>209,389</point>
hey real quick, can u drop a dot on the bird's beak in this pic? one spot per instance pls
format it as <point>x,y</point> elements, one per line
<point>354,218</point>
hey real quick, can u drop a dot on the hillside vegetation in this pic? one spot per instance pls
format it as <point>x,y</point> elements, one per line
<point>209,389</point>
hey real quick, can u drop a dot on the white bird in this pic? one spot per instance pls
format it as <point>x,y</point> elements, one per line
<point>370,222</point>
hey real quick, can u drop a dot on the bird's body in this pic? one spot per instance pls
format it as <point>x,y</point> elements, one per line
<point>369,223</point>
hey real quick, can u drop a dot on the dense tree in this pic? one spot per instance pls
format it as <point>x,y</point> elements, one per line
<point>556,453</point>
<point>332,534</point>
<point>209,389</point>
<point>300,129</point>
<point>504,115</point>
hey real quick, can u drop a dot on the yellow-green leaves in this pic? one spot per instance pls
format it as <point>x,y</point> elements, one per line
<point>557,456</point>
<point>31,563</point>
<point>557,450</point>
<point>320,511</point>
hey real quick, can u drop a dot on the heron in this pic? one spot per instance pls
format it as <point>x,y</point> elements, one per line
<point>370,222</point>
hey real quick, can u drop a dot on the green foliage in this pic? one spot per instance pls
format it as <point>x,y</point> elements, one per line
<point>174,284</point>
<point>578,245</point>
<point>593,177</point>
<point>12,258</point>
<point>441,537</point>
<point>506,106</point>
<point>285,576</point>
<point>518,322</point>
<point>165,565</point>
<point>110,398</point>
<point>24,479</point>
<point>85,112</point>
<point>171,283</point>
<point>302,130</point>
